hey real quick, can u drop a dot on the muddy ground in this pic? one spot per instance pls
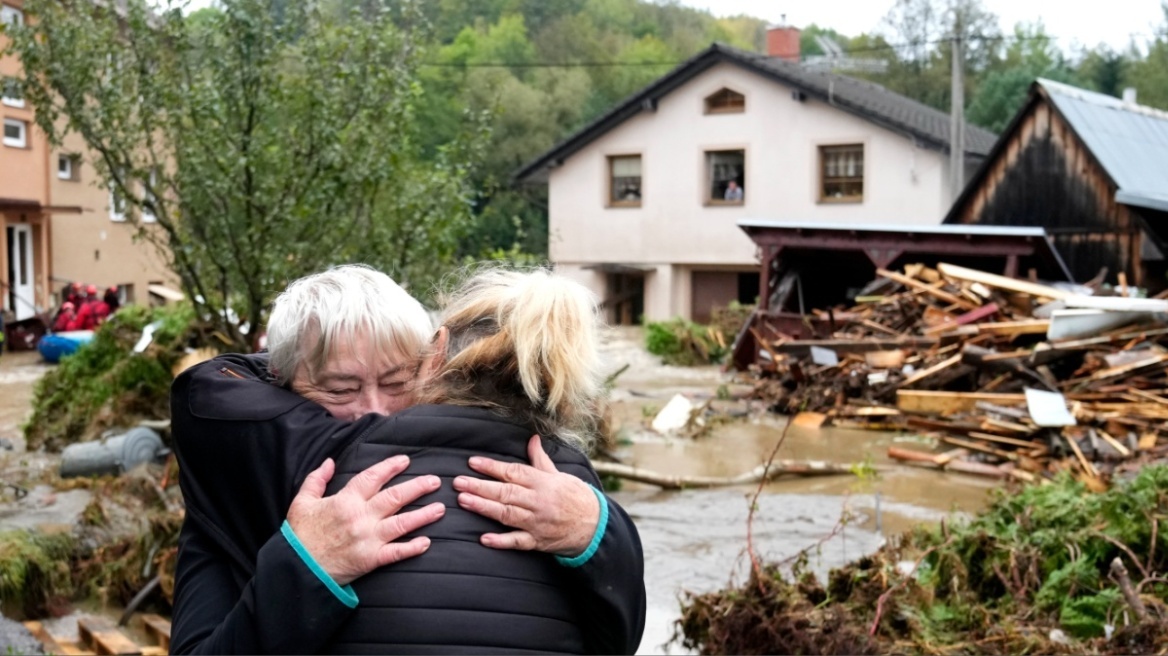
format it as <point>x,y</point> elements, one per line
<point>693,540</point>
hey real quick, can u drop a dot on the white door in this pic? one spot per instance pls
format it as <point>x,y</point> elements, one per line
<point>21,298</point>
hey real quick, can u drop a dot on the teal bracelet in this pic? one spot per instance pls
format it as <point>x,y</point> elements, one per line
<point>346,595</point>
<point>601,525</point>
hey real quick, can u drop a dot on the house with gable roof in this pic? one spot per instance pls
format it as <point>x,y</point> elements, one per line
<point>1089,168</point>
<point>644,202</point>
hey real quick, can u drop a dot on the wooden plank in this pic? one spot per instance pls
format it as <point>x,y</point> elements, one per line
<point>1008,328</point>
<point>1112,372</point>
<point>1119,336</point>
<point>928,289</point>
<point>935,369</point>
<point>101,636</point>
<point>884,359</point>
<point>802,347</point>
<point>51,644</point>
<point>1087,467</point>
<point>1001,282</point>
<point>974,446</point>
<point>972,316</point>
<point>989,437</point>
<point>1001,425</point>
<point>1014,413</point>
<point>955,465</point>
<point>1115,444</point>
<point>809,419</point>
<point>158,627</point>
<point>1147,395</point>
<point>941,403</point>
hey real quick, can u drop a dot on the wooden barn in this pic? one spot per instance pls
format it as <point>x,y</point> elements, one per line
<point>1090,169</point>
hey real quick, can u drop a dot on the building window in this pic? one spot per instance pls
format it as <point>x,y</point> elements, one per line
<point>842,173</point>
<point>726,175</point>
<point>148,198</point>
<point>11,93</point>
<point>725,101</point>
<point>67,167</point>
<point>15,133</point>
<point>624,181</point>
<point>117,203</point>
<point>11,15</point>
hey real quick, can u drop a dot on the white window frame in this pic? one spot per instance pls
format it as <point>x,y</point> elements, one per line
<point>152,180</point>
<point>11,15</point>
<point>16,142</point>
<point>68,173</point>
<point>9,100</point>
<point>115,215</point>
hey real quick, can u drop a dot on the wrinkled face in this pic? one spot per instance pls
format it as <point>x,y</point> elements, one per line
<point>358,379</point>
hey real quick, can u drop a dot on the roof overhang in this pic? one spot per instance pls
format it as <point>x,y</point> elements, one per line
<point>1150,200</point>
<point>891,241</point>
<point>34,207</point>
<point>165,292</point>
<point>619,267</point>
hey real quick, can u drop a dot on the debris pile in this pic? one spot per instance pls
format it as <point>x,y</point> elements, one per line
<point>1014,378</point>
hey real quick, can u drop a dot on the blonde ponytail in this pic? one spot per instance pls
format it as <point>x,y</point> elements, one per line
<point>527,345</point>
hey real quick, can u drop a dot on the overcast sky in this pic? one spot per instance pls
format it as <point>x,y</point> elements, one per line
<point>1110,21</point>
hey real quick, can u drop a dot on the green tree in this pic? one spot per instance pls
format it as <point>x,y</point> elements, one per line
<point>1103,70</point>
<point>268,139</point>
<point>1030,54</point>
<point>1149,75</point>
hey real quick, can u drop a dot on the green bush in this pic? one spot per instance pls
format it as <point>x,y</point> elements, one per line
<point>685,343</point>
<point>105,383</point>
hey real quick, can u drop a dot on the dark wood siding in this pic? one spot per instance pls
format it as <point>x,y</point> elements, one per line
<point>1044,176</point>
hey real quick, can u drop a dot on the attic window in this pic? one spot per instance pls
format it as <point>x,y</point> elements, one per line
<point>725,101</point>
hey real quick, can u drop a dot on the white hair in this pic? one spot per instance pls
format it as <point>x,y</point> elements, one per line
<point>316,311</point>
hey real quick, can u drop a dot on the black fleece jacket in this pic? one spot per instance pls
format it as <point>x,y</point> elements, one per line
<point>245,446</point>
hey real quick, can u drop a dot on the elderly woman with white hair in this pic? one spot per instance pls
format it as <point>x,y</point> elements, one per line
<point>516,355</point>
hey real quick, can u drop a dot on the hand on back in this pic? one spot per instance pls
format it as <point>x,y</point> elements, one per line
<point>352,532</point>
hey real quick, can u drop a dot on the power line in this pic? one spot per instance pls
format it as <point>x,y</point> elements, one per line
<point>887,47</point>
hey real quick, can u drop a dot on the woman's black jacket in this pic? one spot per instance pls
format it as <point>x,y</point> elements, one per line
<point>245,446</point>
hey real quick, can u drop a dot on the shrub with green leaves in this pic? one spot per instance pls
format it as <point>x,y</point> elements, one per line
<point>685,343</point>
<point>106,384</point>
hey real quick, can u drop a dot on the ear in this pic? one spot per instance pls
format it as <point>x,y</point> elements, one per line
<point>437,356</point>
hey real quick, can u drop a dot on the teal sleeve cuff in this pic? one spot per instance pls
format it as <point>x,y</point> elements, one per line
<point>601,525</point>
<point>345,595</point>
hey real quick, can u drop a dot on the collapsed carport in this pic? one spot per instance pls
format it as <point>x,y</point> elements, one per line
<point>806,266</point>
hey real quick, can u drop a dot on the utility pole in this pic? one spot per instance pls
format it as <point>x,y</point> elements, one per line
<point>957,113</point>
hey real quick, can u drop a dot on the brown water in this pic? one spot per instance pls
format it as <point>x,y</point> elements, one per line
<point>695,540</point>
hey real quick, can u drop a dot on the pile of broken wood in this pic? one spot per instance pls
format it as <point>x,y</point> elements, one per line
<point>1013,378</point>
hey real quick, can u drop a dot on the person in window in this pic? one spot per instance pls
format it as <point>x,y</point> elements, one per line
<point>353,342</point>
<point>733,191</point>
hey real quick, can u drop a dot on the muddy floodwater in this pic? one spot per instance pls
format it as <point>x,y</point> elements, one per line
<point>694,540</point>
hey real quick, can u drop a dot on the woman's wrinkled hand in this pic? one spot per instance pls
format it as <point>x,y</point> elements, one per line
<point>553,512</point>
<point>352,532</point>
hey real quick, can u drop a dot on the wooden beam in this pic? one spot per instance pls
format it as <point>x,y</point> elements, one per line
<point>935,369</point>
<point>103,638</point>
<point>1001,282</point>
<point>928,289</point>
<point>1008,328</point>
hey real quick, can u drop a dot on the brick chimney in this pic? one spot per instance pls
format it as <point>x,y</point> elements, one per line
<point>783,42</point>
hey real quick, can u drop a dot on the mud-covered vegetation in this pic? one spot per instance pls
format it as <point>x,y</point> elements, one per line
<point>1051,568</point>
<point>105,383</point>
<point>127,536</point>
